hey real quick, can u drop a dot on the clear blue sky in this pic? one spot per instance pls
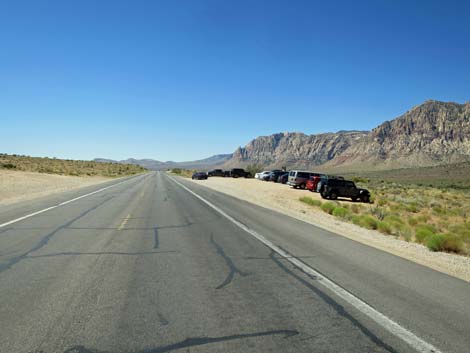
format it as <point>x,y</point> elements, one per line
<point>182,80</point>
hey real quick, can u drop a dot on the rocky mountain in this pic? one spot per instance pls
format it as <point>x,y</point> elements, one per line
<point>295,149</point>
<point>157,165</point>
<point>429,134</point>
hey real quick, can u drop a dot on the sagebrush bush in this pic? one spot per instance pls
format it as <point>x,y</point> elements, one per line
<point>328,207</point>
<point>452,244</point>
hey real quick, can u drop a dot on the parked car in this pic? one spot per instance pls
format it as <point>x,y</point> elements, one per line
<point>299,178</point>
<point>324,178</point>
<point>216,172</point>
<point>283,178</point>
<point>227,173</point>
<point>261,174</point>
<point>312,183</point>
<point>199,176</point>
<point>334,188</point>
<point>239,173</point>
<point>275,174</point>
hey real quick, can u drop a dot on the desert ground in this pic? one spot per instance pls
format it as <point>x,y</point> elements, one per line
<point>21,186</point>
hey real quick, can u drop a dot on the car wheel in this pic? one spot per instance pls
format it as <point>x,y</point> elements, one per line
<point>333,196</point>
<point>354,199</point>
<point>323,195</point>
<point>302,186</point>
<point>365,199</point>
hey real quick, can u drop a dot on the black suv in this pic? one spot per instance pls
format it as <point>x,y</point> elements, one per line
<point>334,188</point>
<point>239,173</point>
<point>216,172</point>
<point>275,174</point>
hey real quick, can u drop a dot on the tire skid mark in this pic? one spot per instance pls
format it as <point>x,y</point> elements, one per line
<point>13,261</point>
<point>192,342</point>
<point>233,269</point>
<point>340,310</point>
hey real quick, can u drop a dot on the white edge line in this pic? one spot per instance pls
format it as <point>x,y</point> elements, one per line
<point>391,326</point>
<point>60,204</point>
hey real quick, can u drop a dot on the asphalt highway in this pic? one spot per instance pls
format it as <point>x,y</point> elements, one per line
<point>155,263</point>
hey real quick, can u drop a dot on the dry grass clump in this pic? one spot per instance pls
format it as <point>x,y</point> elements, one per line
<point>67,166</point>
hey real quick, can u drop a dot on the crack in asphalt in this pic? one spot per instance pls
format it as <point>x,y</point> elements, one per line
<point>332,303</point>
<point>230,264</point>
<point>189,342</point>
<point>44,240</point>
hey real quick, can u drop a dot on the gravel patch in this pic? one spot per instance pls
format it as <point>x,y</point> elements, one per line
<point>284,199</point>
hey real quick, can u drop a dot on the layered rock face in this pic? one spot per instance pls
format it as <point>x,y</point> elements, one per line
<point>295,149</point>
<point>429,134</point>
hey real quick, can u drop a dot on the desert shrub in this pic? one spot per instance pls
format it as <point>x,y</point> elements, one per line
<point>452,243</point>
<point>422,218</point>
<point>8,166</point>
<point>381,202</point>
<point>365,221</point>
<point>428,227</point>
<point>341,212</point>
<point>310,201</point>
<point>328,207</point>
<point>378,212</point>
<point>412,221</point>
<point>435,242</point>
<point>422,234</point>
<point>384,227</point>
<point>360,180</point>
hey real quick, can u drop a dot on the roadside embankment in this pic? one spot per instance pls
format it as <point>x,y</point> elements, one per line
<point>286,200</point>
<point>21,186</point>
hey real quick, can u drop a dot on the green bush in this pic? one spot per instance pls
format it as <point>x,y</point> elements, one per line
<point>428,227</point>
<point>435,242</point>
<point>422,234</point>
<point>310,201</point>
<point>341,212</point>
<point>328,207</point>
<point>384,227</point>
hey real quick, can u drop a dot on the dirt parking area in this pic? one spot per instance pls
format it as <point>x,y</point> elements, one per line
<point>20,186</point>
<point>286,200</point>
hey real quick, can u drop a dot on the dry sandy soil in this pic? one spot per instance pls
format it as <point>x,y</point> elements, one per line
<point>286,200</point>
<point>20,186</point>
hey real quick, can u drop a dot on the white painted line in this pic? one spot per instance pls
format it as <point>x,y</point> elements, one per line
<point>391,326</point>
<point>60,204</point>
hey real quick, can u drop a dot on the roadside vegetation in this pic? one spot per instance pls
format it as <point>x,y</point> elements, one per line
<point>435,217</point>
<point>67,166</point>
<point>186,173</point>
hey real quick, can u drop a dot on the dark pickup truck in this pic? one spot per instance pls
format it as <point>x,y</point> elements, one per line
<point>334,188</point>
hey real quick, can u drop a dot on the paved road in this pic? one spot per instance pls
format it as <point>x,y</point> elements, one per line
<point>145,266</point>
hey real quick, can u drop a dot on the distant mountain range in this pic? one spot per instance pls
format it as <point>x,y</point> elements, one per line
<point>157,165</point>
<point>429,134</point>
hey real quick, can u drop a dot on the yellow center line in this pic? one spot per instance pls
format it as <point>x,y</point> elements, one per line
<point>124,222</point>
